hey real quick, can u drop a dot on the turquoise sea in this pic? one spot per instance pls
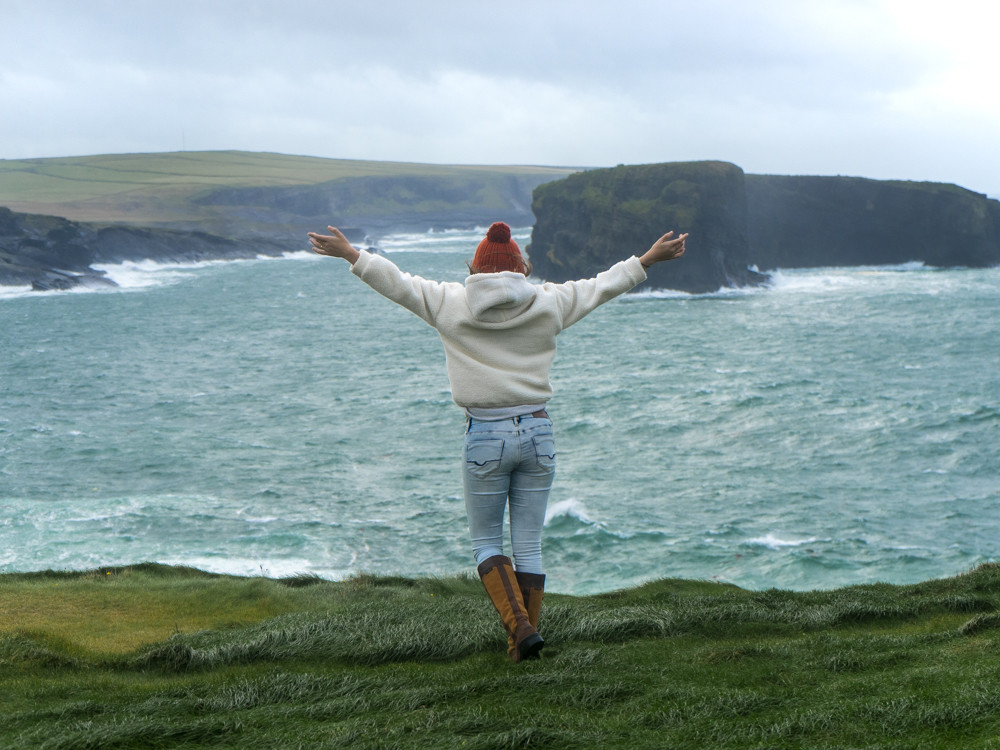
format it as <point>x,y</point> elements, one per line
<point>276,417</point>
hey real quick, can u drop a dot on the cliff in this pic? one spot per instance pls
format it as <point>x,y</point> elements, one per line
<point>796,222</point>
<point>50,252</point>
<point>590,220</point>
<point>378,205</point>
<point>219,205</point>
<point>239,194</point>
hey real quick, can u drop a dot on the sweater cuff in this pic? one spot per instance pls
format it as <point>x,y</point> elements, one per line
<point>636,270</point>
<point>364,259</point>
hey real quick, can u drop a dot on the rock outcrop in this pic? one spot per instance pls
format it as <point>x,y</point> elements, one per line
<point>739,224</point>
<point>799,222</point>
<point>588,221</point>
<point>243,212</point>
<point>45,252</point>
<point>49,252</point>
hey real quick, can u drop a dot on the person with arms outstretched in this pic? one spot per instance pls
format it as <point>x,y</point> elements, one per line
<point>499,334</point>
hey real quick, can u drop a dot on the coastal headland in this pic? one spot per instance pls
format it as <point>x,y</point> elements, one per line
<point>60,217</point>
<point>742,225</point>
<point>158,656</point>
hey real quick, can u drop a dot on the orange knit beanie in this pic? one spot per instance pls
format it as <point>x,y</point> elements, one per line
<point>498,252</point>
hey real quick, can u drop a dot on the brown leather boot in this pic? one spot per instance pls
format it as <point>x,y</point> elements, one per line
<point>497,574</point>
<point>532,586</point>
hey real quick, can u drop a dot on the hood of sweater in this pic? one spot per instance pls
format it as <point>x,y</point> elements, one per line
<point>498,297</point>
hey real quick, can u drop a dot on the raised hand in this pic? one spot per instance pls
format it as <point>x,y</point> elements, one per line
<point>666,248</point>
<point>334,245</point>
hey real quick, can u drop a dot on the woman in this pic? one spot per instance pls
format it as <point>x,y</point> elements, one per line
<point>499,334</point>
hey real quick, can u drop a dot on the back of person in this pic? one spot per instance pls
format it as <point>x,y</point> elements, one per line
<point>499,335</point>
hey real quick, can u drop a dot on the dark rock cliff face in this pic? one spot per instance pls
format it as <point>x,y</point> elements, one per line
<point>843,221</point>
<point>588,221</point>
<point>379,205</point>
<point>582,224</point>
<point>53,253</point>
<point>49,252</point>
<point>46,252</point>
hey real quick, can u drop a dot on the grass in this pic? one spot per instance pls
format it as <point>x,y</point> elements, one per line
<point>156,656</point>
<point>139,188</point>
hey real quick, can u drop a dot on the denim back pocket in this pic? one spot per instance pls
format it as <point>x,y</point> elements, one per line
<point>483,456</point>
<point>545,451</point>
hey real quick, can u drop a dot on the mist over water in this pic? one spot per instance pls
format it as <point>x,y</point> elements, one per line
<point>278,417</point>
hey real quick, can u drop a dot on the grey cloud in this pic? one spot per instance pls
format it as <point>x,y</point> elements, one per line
<point>773,85</point>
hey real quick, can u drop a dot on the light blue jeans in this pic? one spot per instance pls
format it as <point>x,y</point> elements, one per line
<point>509,462</point>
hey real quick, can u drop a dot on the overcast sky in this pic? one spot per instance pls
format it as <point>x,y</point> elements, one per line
<point>901,89</point>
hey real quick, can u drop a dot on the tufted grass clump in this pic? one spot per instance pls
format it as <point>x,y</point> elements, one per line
<point>158,656</point>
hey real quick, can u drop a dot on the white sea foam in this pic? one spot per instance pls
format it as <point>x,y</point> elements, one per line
<point>140,274</point>
<point>771,541</point>
<point>795,281</point>
<point>11,292</point>
<point>445,241</point>
<point>722,292</point>
<point>839,279</point>
<point>571,508</point>
<point>237,566</point>
<point>293,255</point>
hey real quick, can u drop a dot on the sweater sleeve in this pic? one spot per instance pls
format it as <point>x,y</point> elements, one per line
<point>420,296</point>
<point>577,298</point>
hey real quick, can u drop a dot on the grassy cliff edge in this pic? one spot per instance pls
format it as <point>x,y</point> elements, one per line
<point>158,656</point>
<point>240,192</point>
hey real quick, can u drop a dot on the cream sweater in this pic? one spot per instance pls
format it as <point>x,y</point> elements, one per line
<point>499,330</point>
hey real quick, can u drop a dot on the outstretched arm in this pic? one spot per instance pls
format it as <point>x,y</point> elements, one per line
<point>420,296</point>
<point>335,245</point>
<point>578,298</point>
<point>667,247</point>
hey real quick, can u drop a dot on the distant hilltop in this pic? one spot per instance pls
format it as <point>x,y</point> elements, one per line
<point>64,215</point>
<point>238,194</point>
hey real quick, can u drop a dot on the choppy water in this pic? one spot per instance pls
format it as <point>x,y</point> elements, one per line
<point>278,417</point>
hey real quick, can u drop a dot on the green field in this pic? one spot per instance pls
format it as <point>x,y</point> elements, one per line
<point>157,656</point>
<point>142,188</point>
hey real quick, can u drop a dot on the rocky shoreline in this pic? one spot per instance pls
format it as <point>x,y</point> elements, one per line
<point>52,253</point>
<point>741,225</point>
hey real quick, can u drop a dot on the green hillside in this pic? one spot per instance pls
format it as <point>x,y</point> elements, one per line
<point>166,188</point>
